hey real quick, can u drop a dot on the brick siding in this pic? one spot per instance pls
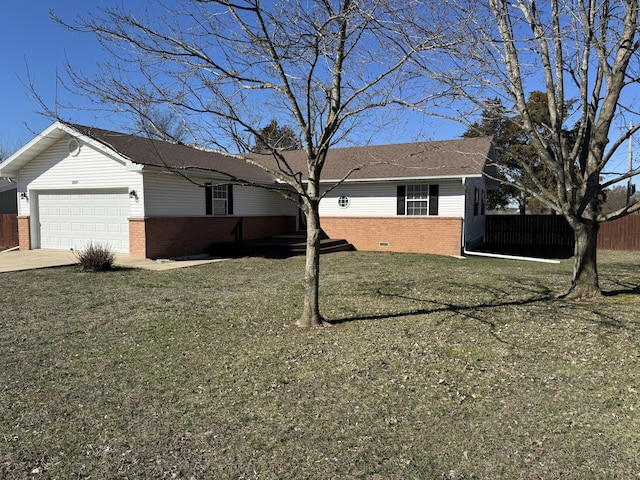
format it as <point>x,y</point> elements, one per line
<point>24,232</point>
<point>173,237</point>
<point>435,235</point>
<point>137,237</point>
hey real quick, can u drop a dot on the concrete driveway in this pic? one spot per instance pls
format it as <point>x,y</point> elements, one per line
<point>16,260</point>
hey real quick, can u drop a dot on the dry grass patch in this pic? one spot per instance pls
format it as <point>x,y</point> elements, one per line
<point>436,368</point>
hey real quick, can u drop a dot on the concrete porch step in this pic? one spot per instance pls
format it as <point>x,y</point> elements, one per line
<point>278,247</point>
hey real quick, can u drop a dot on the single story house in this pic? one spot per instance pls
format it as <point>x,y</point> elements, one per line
<point>154,199</point>
<point>79,184</point>
<point>423,197</point>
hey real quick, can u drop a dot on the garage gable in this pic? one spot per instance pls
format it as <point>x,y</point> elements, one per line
<point>70,163</point>
<point>75,190</point>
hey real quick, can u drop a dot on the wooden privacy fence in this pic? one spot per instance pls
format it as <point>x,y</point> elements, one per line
<point>8,230</point>
<point>621,234</point>
<point>554,231</point>
<point>538,230</point>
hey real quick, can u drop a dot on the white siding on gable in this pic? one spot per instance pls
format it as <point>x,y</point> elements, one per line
<point>380,199</point>
<point>58,169</point>
<point>169,195</point>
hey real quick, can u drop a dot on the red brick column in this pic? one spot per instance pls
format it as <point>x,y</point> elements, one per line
<point>24,232</point>
<point>137,237</point>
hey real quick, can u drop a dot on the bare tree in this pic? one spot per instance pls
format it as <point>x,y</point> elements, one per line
<point>320,65</point>
<point>617,197</point>
<point>583,54</point>
<point>162,125</point>
<point>4,152</point>
<point>7,148</point>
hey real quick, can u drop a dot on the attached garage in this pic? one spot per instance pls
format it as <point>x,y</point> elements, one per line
<point>78,184</point>
<point>72,219</point>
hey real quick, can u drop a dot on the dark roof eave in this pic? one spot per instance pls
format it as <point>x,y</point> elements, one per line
<point>402,179</point>
<point>198,172</point>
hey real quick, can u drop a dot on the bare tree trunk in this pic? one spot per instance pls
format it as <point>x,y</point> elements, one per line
<point>585,273</point>
<point>311,316</point>
<point>522,203</point>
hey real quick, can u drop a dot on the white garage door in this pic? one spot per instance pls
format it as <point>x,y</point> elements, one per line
<point>73,219</point>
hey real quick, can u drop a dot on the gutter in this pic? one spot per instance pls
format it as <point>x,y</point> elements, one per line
<point>399,179</point>
<point>509,257</point>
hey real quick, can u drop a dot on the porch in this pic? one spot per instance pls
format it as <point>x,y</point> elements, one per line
<point>279,246</point>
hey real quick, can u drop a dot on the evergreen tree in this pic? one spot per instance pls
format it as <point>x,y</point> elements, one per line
<point>517,160</point>
<point>276,137</point>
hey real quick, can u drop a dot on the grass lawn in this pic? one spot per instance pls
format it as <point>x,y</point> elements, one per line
<point>436,368</point>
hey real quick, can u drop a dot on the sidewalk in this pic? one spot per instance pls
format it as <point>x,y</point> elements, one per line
<point>16,260</point>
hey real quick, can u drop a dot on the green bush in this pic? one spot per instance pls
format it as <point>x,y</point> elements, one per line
<point>96,257</point>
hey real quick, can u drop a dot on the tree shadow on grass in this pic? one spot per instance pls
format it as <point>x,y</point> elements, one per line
<point>471,312</point>
<point>500,298</point>
<point>624,288</point>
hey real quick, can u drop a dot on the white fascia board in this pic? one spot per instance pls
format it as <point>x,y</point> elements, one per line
<point>10,167</point>
<point>102,148</point>
<point>132,166</point>
<point>403,179</point>
<point>95,144</point>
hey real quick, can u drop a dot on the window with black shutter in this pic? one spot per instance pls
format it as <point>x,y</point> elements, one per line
<point>417,200</point>
<point>218,199</point>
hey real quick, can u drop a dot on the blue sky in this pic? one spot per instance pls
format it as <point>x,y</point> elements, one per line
<point>34,46</point>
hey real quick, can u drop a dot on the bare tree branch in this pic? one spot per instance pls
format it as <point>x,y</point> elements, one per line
<point>226,67</point>
<point>584,55</point>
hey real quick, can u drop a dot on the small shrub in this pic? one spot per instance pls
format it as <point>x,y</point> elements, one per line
<point>96,257</point>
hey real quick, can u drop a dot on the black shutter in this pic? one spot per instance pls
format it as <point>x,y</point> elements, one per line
<point>476,201</point>
<point>401,195</point>
<point>433,199</point>
<point>229,200</point>
<point>208,199</point>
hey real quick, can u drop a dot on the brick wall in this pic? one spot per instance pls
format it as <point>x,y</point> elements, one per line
<point>179,236</point>
<point>436,235</point>
<point>137,237</point>
<point>24,232</point>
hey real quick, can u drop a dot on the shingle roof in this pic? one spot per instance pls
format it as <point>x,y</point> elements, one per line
<point>447,158</point>
<point>156,153</point>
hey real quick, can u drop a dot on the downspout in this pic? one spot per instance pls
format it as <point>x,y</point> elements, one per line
<point>509,257</point>
<point>464,214</point>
